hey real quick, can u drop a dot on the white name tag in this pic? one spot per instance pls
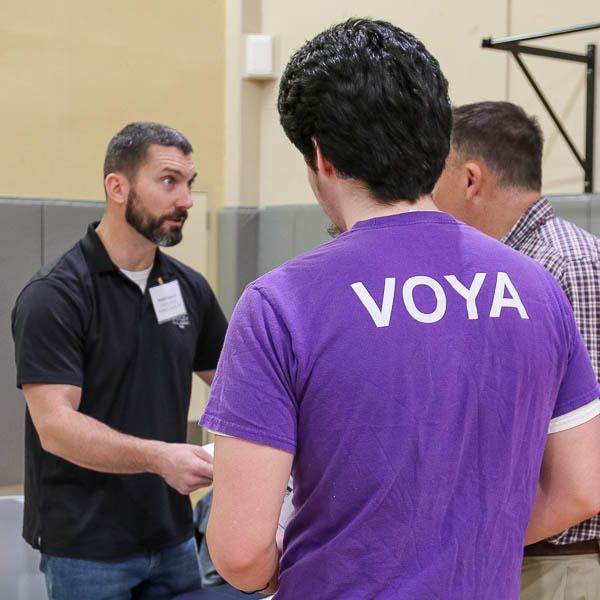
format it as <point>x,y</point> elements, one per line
<point>167,301</point>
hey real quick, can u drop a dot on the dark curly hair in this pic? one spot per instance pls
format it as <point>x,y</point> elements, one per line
<point>377,104</point>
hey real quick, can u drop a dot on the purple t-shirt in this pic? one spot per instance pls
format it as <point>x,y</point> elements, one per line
<point>412,365</point>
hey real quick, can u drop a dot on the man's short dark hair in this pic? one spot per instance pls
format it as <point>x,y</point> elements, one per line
<point>128,149</point>
<point>377,104</point>
<point>504,137</point>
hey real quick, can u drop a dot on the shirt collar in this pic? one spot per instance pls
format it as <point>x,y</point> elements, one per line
<point>409,217</point>
<point>534,218</point>
<point>94,251</point>
<point>100,262</point>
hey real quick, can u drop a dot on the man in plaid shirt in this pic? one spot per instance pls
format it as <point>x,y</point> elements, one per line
<point>492,181</point>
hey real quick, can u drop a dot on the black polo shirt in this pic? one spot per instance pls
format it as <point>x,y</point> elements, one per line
<point>80,321</point>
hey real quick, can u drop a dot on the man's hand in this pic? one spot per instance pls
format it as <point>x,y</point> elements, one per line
<point>184,467</point>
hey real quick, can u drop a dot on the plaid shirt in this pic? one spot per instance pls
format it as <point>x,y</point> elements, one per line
<point>572,255</point>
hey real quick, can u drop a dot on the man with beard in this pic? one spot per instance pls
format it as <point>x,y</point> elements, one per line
<point>106,340</point>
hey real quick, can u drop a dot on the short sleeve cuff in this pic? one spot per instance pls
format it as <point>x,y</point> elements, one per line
<point>220,427</point>
<point>576,417</point>
<point>218,433</point>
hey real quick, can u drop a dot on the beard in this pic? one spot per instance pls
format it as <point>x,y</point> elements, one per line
<point>333,230</point>
<point>151,227</point>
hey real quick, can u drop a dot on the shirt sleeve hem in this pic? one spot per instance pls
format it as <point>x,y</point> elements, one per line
<point>219,433</point>
<point>578,401</point>
<point>260,437</point>
<point>49,380</point>
<point>576,417</point>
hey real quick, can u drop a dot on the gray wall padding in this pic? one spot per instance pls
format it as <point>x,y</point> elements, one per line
<point>65,223</point>
<point>581,209</point>
<point>253,241</point>
<point>287,231</point>
<point>238,254</point>
<point>20,258</point>
<point>278,233</point>
<point>31,232</point>
<point>310,228</point>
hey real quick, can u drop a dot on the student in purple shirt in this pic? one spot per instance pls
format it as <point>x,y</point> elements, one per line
<point>406,374</point>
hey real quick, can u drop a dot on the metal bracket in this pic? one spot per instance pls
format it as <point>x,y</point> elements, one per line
<point>514,46</point>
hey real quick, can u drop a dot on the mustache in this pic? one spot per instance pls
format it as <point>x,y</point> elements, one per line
<point>176,215</point>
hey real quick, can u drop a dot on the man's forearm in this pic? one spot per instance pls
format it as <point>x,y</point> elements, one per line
<point>85,441</point>
<point>553,513</point>
<point>89,443</point>
<point>540,520</point>
<point>569,486</point>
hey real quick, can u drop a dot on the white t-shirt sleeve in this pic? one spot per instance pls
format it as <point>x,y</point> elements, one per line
<point>576,417</point>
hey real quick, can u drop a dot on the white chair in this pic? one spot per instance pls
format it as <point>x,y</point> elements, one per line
<point>20,576</point>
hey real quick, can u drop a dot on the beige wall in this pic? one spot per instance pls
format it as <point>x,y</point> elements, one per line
<point>74,73</point>
<point>452,32</point>
<point>562,82</point>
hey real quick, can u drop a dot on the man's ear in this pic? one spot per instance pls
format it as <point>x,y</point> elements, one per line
<point>323,165</point>
<point>117,187</point>
<point>474,174</point>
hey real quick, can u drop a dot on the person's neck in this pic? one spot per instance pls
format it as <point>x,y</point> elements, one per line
<point>505,210</point>
<point>362,209</point>
<point>126,247</point>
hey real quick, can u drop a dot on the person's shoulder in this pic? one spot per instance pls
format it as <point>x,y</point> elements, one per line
<point>487,246</point>
<point>60,291</point>
<point>538,266</point>
<point>65,275</point>
<point>569,241</point>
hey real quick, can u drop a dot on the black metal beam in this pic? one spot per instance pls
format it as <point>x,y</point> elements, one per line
<point>550,110</point>
<point>545,34</point>
<point>514,46</point>
<point>590,105</point>
<point>537,51</point>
